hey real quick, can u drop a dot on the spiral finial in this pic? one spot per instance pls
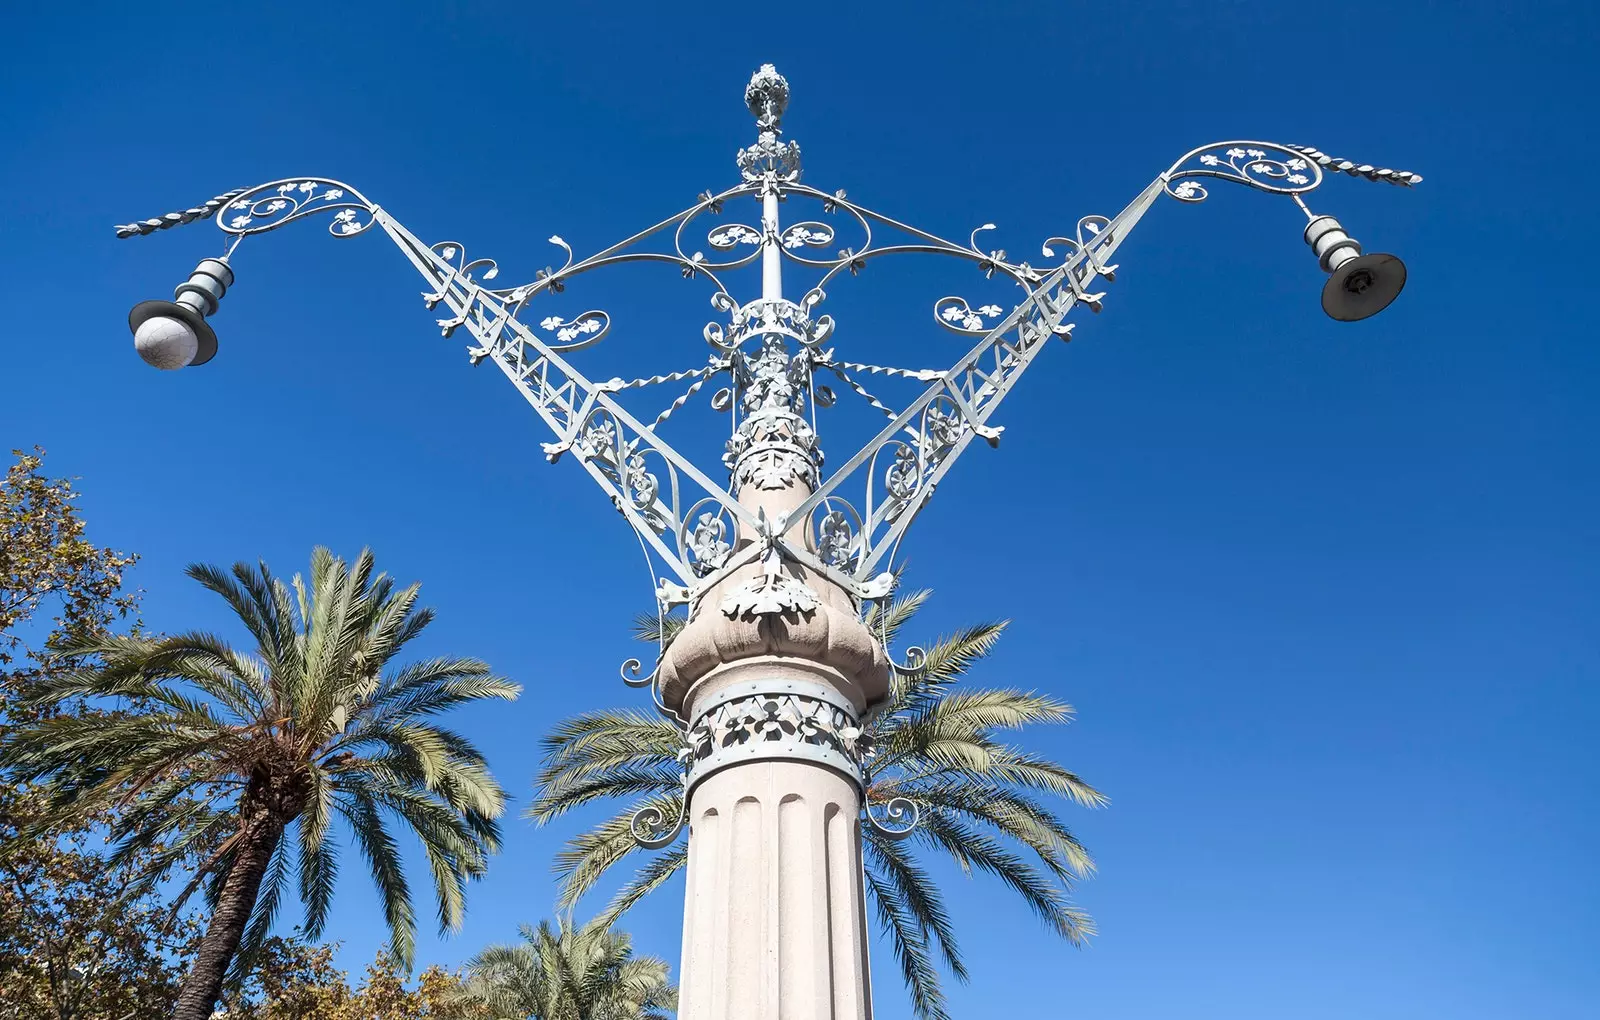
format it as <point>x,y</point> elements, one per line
<point>767,95</point>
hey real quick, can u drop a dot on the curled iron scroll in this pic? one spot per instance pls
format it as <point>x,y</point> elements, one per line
<point>1264,166</point>
<point>895,818</point>
<point>633,674</point>
<point>586,330</point>
<point>652,829</point>
<point>271,205</point>
<point>916,658</point>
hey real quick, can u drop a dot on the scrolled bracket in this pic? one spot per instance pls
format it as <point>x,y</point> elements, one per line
<point>269,206</point>
<point>897,818</point>
<point>916,659</point>
<point>633,674</point>
<point>1265,166</point>
<point>652,829</point>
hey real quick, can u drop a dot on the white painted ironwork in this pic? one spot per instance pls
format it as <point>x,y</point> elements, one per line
<point>768,352</point>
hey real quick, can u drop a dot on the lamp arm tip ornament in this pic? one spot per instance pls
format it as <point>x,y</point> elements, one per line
<point>1367,170</point>
<point>202,211</point>
<point>1359,285</point>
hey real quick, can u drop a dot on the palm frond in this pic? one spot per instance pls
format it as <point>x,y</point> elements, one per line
<point>653,628</point>
<point>992,707</point>
<point>1010,813</point>
<point>311,728</point>
<point>972,849</point>
<point>654,874</point>
<point>319,856</point>
<point>588,856</point>
<point>383,858</point>
<point>611,729</point>
<point>950,658</point>
<point>564,792</point>
<point>910,946</point>
<point>886,622</point>
<point>917,895</point>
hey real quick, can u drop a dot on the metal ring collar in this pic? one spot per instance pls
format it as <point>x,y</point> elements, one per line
<point>782,720</point>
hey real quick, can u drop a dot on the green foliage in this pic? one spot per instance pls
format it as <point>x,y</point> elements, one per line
<point>44,559</point>
<point>298,981</point>
<point>246,762</point>
<point>75,943</point>
<point>985,803</point>
<point>559,972</point>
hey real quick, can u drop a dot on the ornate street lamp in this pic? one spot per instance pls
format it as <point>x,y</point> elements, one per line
<point>775,669</point>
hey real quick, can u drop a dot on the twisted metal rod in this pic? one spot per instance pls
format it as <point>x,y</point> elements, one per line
<point>684,399</point>
<point>178,219</point>
<point>1404,178</point>
<point>860,390</point>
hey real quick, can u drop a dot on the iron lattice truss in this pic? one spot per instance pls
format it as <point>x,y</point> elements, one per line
<point>769,356</point>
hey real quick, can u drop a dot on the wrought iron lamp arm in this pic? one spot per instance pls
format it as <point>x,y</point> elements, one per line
<point>975,385</point>
<point>924,439</point>
<point>957,404</point>
<point>584,416</point>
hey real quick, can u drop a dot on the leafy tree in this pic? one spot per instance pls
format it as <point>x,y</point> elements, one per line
<point>300,982</point>
<point>44,559</point>
<point>229,752</point>
<point>562,972</point>
<point>939,744</point>
<point>75,944</point>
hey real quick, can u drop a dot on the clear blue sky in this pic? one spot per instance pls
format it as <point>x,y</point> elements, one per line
<point>1327,597</point>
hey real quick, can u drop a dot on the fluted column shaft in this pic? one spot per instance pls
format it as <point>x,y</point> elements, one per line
<point>773,916</point>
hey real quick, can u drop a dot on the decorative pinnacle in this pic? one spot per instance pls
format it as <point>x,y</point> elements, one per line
<point>767,95</point>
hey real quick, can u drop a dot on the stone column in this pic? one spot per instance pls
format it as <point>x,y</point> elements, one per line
<point>774,918</point>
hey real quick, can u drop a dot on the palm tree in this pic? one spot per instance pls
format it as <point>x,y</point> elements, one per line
<point>567,973</point>
<point>981,800</point>
<point>226,752</point>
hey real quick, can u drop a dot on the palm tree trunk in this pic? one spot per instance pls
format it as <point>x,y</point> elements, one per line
<point>203,987</point>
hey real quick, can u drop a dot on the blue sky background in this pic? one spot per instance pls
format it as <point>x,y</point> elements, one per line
<point>1326,596</point>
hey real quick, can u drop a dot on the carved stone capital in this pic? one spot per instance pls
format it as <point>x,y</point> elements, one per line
<point>825,643</point>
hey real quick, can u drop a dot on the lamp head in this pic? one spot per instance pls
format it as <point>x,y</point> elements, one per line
<point>171,336</point>
<point>1363,287</point>
<point>1359,286</point>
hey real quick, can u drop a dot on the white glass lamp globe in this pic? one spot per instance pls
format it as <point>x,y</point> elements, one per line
<point>165,342</point>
